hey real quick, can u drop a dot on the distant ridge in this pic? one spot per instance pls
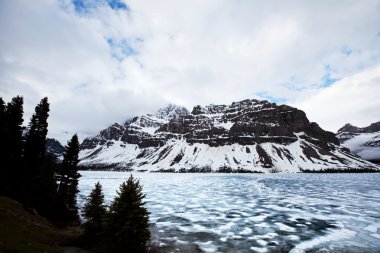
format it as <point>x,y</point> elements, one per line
<point>364,142</point>
<point>246,136</point>
<point>54,147</point>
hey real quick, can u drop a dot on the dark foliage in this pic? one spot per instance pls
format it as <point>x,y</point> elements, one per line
<point>68,176</point>
<point>124,227</point>
<point>38,176</point>
<point>338,170</point>
<point>128,225</point>
<point>95,214</point>
<point>35,150</point>
<point>27,173</point>
<point>11,145</point>
<point>4,187</point>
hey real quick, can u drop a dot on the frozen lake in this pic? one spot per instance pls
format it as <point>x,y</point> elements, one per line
<point>256,212</point>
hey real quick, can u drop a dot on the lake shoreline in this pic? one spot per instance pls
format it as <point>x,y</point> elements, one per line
<point>230,171</point>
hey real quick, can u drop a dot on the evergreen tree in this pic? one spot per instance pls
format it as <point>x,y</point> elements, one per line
<point>39,180</point>
<point>69,176</point>
<point>95,212</point>
<point>14,120</point>
<point>3,135</point>
<point>2,121</point>
<point>128,226</point>
<point>35,150</point>
<point>11,145</point>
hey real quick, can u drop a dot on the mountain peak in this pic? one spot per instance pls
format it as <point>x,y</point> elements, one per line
<point>171,111</point>
<point>362,141</point>
<point>349,128</point>
<point>249,135</point>
<point>215,109</point>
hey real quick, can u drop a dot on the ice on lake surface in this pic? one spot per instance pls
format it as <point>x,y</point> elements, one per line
<point>255,212</point>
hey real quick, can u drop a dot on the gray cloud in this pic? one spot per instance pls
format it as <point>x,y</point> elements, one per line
<point>107,64</point>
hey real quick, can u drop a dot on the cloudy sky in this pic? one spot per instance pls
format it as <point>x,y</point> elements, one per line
<point>103,61</point>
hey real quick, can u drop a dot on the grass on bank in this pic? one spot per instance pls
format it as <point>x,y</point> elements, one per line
<point>24,231</point>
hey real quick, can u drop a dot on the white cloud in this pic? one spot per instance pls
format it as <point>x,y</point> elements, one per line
<point>192,52</point>
<point>354,99</point>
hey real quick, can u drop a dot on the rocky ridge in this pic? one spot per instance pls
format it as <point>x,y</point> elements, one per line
<point>54,147</point>
<point>364,142</point>
<point>250,135</point>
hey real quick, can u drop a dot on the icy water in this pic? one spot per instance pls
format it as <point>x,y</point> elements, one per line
<point>256,213</point>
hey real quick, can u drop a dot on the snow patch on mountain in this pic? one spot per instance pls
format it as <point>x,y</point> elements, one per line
<point>365,145</point>
<point>171,111</point>
<point>178,155</point>
<point>364,142</point>
<point>246,136</point>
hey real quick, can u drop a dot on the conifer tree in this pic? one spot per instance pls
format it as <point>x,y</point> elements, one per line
<point>3,135</point>
<point>11,145</point>
<point>95,212</point>
<point>35,150</point>
<point>128,227</point>
<point>69,176</point>
<point>39,180</point>
<point>2,120</point>
<point>14,120</point>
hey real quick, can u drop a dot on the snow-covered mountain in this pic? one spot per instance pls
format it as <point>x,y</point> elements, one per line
<point>249,135</point>
<point>54,147</point>
<point>364,142</point>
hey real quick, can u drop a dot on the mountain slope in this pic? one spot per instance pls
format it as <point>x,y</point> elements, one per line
<point>54,147</point>
<point>249,135</point>
<point>364,142</point>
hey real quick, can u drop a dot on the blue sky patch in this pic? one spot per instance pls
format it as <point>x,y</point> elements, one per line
<point>277,100</point>
<point>327,79</point>
<point>120,48</point>
<point>84,6</point>
<point>80,6</point>
<point>117,4</point>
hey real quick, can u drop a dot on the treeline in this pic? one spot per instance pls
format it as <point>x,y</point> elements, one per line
<point>30,175</point>
<point>49,187</point>
<point>342,170</point>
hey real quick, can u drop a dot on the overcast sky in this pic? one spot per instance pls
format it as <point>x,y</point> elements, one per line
<point>103,61</point>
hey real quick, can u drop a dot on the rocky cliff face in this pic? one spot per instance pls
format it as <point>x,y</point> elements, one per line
<point>249,135</point>
<point>140,130</point>
<point>364,142</point>
<point>54,147</point>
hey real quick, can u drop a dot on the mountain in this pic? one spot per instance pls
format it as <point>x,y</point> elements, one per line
<point>54,147</point>
<point>364,142</point>
<point>246,136</point>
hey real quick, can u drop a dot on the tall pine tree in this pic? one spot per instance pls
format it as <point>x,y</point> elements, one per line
<point>2,122</point>
<point>128,226</point>
<point>3,136</point>
<point>39,180</point>
<point>95,212</point>
<point>11,145</point>
<point>68,187</point>
<point>35,150</point>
